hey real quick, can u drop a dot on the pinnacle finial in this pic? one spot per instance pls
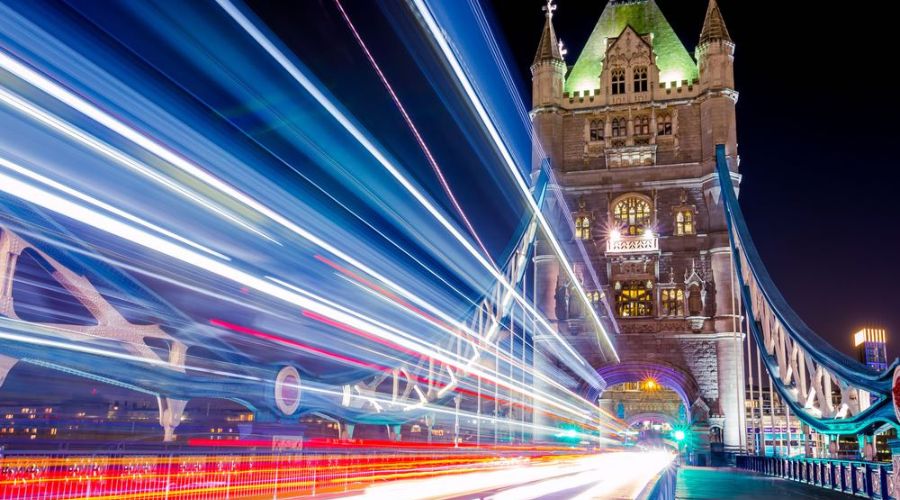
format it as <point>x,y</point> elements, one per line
<point>714,25</point>
<point>562,49</point>
<point>549,8</point>
<point>549,47</point>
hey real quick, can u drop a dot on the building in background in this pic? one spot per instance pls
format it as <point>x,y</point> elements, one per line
<point>630,131</point>
<point>871,347</point>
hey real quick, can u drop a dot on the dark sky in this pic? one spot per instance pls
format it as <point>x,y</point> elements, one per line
<point>816,118</point>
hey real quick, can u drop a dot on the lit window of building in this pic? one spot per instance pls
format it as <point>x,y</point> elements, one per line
<point>640,79</point>
<point>684,222</point>
<point>631,386</point>
<point>672,300</point>
<point>632,216</point>
<point>583,227</point>
<point>871,348</point>
<point>634,299</point>
<point>583,219</point>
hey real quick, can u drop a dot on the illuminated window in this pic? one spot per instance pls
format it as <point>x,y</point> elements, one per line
<point>583,227</point>
<point>634,299</point>
<point>632,216</point>
<point>597,130</point>
<point>642,125</point>
<point>684,222</point>
<point>664,124</point>
<point>631,386</point>
<point>619,127</point>
<point>640,79</point>
<point>618,81</point>
<point>672,301</point>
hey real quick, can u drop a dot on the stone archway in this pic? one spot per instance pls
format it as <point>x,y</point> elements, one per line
<point>669,376</point>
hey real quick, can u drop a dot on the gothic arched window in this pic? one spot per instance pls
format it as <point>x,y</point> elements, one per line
<point>664,124</point>
<point>640,79</point>
<point>632,216</point>
<point>619,127</point>
<point>634,299</point>
<point>672,301</point>
<point>684,222</point>
<point>642,125</point>
<point>617,77</point>
<point>583,227</point>
<point>597,130</point>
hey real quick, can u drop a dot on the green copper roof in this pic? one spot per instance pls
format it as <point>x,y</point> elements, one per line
<point>674,61</point>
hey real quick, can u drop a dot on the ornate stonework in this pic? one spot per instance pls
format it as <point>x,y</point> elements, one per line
<point>636,123</point>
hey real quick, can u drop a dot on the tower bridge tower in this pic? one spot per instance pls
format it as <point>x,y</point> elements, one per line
<point>630,131</point>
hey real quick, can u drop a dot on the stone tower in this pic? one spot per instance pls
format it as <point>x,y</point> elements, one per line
<point>630,131</point>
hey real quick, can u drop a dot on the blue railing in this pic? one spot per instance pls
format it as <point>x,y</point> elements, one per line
<point>865,479</point>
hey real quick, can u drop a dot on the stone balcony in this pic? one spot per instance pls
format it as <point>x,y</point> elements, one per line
<point>632,244</point>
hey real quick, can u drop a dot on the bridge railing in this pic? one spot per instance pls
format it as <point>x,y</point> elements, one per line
<point>826,389</point>
<point>865,479</point>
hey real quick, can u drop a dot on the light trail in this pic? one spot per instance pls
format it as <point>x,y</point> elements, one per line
<point>71,99</point>
<point>409,123</point>
<point>17,326</point>
<point>104,206</point>
<point>380,157</point>
<point>271,475</point>
<point>52,202</point>
<point>463,79</point>
<point>609,475</point>
<point>69,130</point>
<point>88,109</point>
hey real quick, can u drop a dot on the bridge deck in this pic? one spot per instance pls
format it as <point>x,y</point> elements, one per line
<point>703,483</point>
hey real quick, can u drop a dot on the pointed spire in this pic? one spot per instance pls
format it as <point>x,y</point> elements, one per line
<point>714,25</point>
<point>549,48</point>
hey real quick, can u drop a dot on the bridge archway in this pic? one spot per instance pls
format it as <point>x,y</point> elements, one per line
<point>668,376</point>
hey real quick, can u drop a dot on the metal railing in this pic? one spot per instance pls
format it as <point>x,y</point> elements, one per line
<point>865,479</point>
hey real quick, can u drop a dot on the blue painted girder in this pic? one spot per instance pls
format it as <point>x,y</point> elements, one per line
<point>835,361</point>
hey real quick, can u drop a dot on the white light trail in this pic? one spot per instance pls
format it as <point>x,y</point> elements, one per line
<point>43,83</point>
<point>20,189</point>
<point>109,208</point>
<point>44,342</point>
<point>117,156</point>
<point>450,56</point>
<point>608,475</point>
<point>357,134</point>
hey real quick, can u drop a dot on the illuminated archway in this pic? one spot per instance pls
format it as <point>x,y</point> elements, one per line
<point>666,375</point>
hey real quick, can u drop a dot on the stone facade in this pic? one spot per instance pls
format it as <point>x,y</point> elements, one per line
<point>630,131</point>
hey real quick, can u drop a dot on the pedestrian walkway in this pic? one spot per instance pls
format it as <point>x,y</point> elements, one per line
<point>706,483</point>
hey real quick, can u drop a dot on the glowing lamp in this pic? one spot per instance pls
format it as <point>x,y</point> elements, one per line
<point>678,435</point>
<point>615,235</point>
<point>648,233</point>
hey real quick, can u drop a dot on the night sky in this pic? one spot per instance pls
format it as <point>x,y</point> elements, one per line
<point>815,119</point>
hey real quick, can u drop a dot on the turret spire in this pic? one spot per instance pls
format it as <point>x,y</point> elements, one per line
<point>714,25</point>
<point>549,48</point>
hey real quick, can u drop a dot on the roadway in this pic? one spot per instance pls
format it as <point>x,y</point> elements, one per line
<point>608,475</point>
